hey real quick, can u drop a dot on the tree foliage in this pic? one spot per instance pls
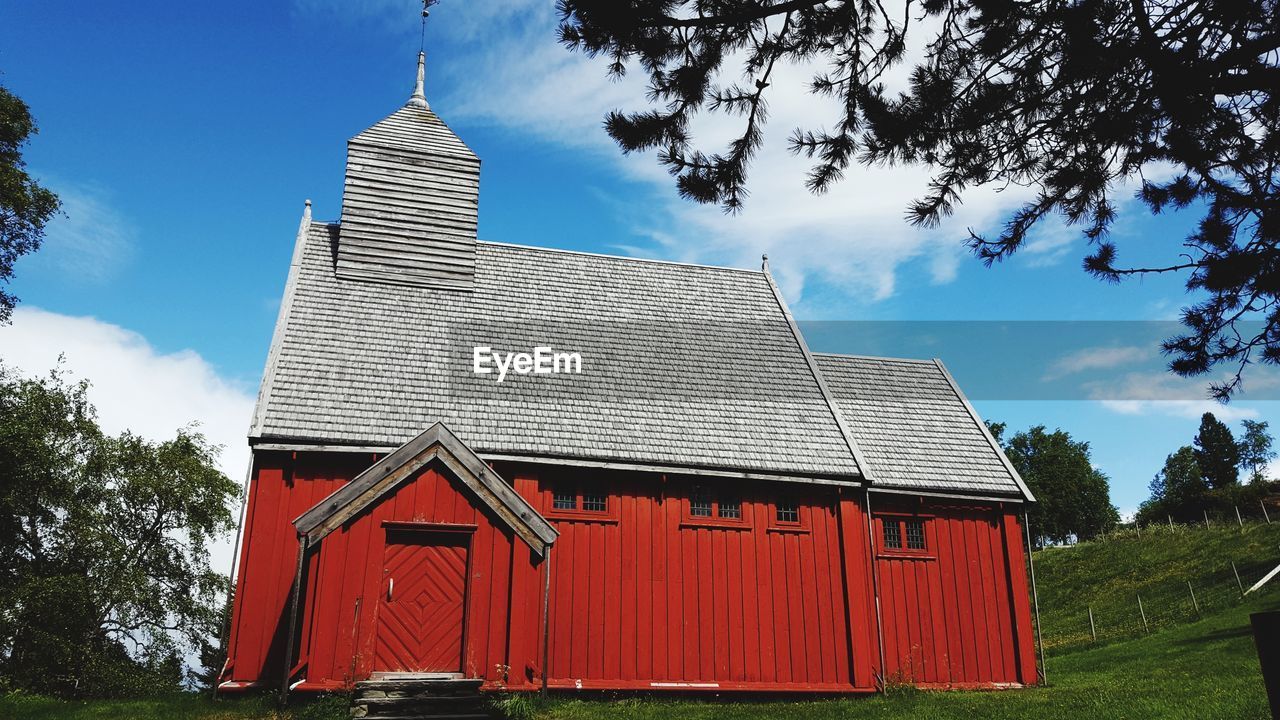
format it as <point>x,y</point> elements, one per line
<point>1073,499</point>
<point>1071,99</point>
<point>1217,453</point>
<point>25,206</point>
<point>1255,448</point>
<point>1178,492</point>
<point>104,564</point>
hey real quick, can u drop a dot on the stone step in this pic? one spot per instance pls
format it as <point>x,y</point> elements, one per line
<point>402,707</point>
<point>443,686</point>
<point>417,698</point>
<point>428,715</point>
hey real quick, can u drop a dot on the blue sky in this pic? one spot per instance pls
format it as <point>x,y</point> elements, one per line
<point>184,138</point>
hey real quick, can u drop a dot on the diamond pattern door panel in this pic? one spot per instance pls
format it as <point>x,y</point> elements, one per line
<point>420,614</point>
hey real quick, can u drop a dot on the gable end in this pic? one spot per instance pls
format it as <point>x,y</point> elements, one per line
<point>436,443</point>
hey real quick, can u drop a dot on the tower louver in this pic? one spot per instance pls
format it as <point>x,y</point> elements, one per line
<point>410,201</point>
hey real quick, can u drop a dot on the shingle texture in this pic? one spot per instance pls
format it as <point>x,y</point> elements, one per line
<point>409,203</point>
<point>681,365</point>
<point>913,428</point>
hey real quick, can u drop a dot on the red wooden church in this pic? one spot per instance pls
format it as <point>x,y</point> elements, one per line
<point>699,503</point>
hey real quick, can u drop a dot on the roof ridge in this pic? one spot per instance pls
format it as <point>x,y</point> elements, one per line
<point>608,256</point>
<point>854,356</point>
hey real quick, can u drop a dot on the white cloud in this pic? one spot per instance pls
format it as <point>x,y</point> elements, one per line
<point>136,387</point>
<point>1098,358</point>
<point>1161,393</point>
<point>90,241</point>
<point>855,236</point>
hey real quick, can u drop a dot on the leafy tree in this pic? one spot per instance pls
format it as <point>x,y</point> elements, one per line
<point>25,206</point>
<point>1255,448</point>
<point>1073,497</point>
<point>1217,453</point>
<point>212,655</point>
<point>103,545</point>
<point>1073,99</point>
<point>1179,491</point>
<point>997,431</point>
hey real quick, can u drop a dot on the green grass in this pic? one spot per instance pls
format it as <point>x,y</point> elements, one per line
<point>1207,669</point>
<point>178,707</point>
<point>1109,576</point>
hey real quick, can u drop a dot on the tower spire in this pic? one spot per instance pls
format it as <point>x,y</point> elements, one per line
<point>419,97</point>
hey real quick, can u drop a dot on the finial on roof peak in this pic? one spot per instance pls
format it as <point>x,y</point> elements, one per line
<point>306,211</point>
<point>764,262</point>
<point>419,97</point>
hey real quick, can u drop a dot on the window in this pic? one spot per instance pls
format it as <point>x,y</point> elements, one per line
<point>730,508</point>
<point>711,507</point>
<point>892,533</point>
<point>564,499</point>
<point>902,534</point>
<point>577,500</point>
<point>594,502</point>
<point>700,504</point>
<point>915,534</point>
<point>788,512</point>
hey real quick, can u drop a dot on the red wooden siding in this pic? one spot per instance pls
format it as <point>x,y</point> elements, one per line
<point>644,594</point>
<point>338,640</point>
<point>956,612</point>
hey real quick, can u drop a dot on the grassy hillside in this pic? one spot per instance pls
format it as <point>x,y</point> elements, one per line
<point>1109,576</point>
<point>178,707</point>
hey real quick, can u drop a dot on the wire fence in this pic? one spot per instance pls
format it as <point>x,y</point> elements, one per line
<point>1176,598</point>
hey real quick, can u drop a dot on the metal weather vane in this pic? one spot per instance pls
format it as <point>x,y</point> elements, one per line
<point>426,13</point>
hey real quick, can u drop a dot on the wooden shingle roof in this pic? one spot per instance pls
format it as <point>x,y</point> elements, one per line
<point>916,428</point>
<point>683,365</point>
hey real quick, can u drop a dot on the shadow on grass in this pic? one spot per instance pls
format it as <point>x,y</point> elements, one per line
<point>1223,634</point>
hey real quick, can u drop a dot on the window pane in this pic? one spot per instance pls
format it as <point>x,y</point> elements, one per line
<point>892,534</point>
<point>564,500</point>
<point>915,534</point>
<point>594,502</point>
<point>788,512</point>
<point>730,508</point>
<point>700,503</point>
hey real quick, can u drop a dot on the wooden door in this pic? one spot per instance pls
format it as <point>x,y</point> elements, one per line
<point>422,608</point>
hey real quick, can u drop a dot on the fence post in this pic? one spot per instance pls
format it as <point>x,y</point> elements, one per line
<point>1237,574</point>
<point>1265,514</point>
<point>1238,520</point>
<point>1206,519</point>
<point>1144,616</point>
<point>1092,629</point>
<point>1137,527</point>
<point>1194,603</point>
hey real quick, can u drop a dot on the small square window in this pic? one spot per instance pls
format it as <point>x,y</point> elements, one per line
<point>564,500</point>
<point>730,508</point>
<point>788,512</point>
<point>892,534</point>
<point>700,503</point>
<point>915,534</point>
<point>594,503</point>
